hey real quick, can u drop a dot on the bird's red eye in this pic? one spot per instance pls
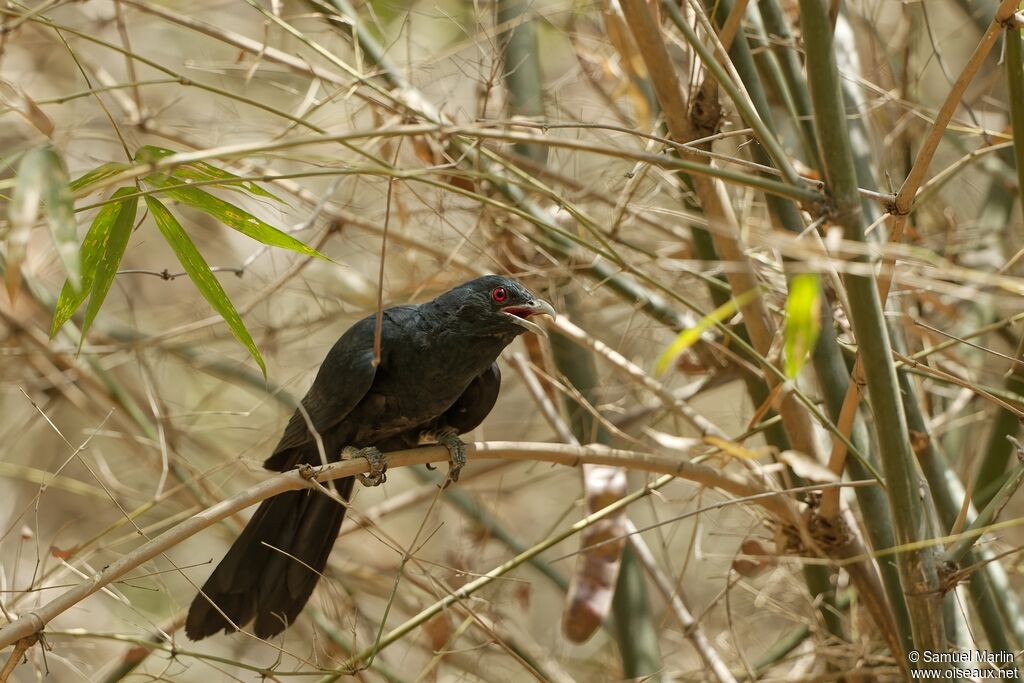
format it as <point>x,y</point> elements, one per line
<point>499,294</point>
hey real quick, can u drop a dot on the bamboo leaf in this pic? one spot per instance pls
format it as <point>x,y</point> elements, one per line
<point>41,179</point>
<point>689,337</point>
<point>111,251</point>
<point>101,172</point>
<point>22,212</point>
<point>803,321</point>
<point>148,153</point>
<point>234,217</point>
<point>202,276</point>
<point>200,171</point>
<point>60,212</point>
<point>94,247</point>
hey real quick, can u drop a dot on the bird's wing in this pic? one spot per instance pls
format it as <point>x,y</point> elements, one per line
<point>344,378</point>
<point>475,403</point>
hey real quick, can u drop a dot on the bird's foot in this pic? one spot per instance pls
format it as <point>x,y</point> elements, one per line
<point>456,455</point>
<point>378,464</point>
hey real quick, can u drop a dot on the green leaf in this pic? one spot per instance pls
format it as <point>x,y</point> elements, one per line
<point>200,171</point>
<point>111,251</point>
<point>60,211</point>
<point>689,337</point>
<point>22,212</point>
<point>148,153</point>
<point>201,275</point>
<point>234,217</point>
<point>67,303</point>
<point>803,321</point>
<point>41,179</point>
<point>94,248</point>
<point>102,172</point>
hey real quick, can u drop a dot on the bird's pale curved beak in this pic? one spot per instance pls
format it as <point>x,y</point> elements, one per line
<point>521,314</point>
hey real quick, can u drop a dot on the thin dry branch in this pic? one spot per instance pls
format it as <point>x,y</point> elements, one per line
<point>635,373</point>
<point>722,223</point>
<point>902,204</point>
<point>905,197</point>
<point>33,622</point>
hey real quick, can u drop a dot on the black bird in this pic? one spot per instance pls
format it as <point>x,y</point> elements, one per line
<point>437,378</point>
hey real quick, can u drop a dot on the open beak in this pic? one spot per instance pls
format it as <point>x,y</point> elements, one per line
<point>521,314</point>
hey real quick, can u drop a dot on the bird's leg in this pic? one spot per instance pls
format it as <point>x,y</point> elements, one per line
<point>456,454</point>
<point>378,464</point>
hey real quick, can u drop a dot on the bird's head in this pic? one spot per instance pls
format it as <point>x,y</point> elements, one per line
<point>496,305</point>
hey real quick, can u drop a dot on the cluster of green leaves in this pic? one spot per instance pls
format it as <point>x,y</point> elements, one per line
<point>43,180</point>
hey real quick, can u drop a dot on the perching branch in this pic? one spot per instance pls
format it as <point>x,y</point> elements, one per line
<point>573,456</point>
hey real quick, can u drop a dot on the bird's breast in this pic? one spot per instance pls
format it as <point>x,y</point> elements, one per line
<point>418,382</point>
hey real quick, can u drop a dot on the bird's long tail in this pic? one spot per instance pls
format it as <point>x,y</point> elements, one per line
<point>270,571</point>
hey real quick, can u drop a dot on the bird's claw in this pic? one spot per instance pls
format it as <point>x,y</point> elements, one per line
<point>456,456</point>
<point>378,464</point>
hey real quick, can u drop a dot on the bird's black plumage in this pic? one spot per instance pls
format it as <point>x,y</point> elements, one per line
<point>437,373</point>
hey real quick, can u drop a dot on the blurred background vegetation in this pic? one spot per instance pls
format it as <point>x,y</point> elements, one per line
<point>736,207</point>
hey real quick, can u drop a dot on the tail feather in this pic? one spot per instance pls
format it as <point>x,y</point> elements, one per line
<point>270,571</point>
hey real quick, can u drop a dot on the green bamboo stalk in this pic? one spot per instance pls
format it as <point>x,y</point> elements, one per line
<point>770,68</point>
<point>704,249</point>
<point>860,136</point>
<point>955,554</point>
<point>833,381</point>
<point>991,470</point>
<point>997,453</point>
<point>785,47</point>
<point>996,602</point>
<point>917,566</point>
<point>637,634</point>
<point>718,210</point>
<point>765,134</point>
<point>827,360</point>
<point>864,165</point>
<point>992,596</point>
<point>995,213</point>
<point>818,578</point>
<point>521,61</point>
<point>946,490</point>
